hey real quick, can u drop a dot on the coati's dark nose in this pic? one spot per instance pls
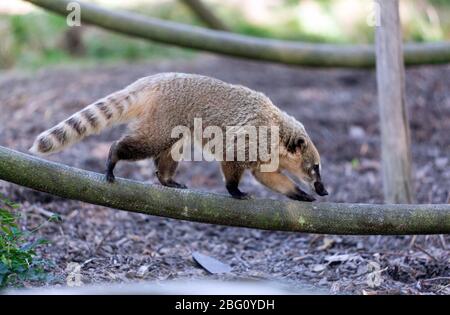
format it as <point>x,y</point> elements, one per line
<point>320,189</point>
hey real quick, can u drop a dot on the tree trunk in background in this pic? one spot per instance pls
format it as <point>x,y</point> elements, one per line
<point>395,135</point>
<point>205,14</point>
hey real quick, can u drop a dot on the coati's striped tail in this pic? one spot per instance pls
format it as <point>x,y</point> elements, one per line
<point>113,109</point>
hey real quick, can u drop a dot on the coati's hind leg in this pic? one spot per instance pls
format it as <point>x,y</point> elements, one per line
<point>111,163</point>
<point>232,171</point>
<point>282,184</point>
<point>127,148</point>
<point>166,168</point>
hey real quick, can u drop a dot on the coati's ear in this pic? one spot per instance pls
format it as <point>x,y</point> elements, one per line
<point>301,143</point>
<point>293,145</point>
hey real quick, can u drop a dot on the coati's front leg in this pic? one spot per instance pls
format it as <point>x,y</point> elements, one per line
<point>232,171</point>
<point>166,168</point>
<point>282,184</point>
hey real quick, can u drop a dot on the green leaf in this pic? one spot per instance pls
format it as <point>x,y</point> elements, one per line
<point>17,252</point>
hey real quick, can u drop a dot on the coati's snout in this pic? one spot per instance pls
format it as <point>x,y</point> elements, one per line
<point>320,189</point>
<point>318,185</point>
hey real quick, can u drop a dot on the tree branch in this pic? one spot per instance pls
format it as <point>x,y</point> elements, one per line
<point>330,218</point>
<point>205,14</point>
<point>289,52</point>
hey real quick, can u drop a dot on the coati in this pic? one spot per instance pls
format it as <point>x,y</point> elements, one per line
<point>154,105</point>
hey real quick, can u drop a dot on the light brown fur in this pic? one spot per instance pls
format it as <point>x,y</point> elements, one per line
<point>154,105</point>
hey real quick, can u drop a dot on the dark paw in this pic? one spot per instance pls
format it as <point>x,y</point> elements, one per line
<point>174,184</point>
<point>110,177</point>
<point>241,195</point>
<point>300,195</point>
<point>234,191</point>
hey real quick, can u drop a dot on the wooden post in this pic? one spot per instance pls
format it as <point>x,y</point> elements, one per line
<point>395,135</point>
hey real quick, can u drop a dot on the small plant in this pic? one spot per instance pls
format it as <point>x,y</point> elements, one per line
<point>18,261</point>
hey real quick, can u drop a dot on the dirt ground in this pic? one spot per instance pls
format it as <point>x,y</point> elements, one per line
<point>338,108</point>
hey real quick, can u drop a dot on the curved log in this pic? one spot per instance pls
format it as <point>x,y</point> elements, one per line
<point>329,218</point>
<point>288,52</point>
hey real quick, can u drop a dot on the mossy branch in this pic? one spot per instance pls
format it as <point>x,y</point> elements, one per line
<point>288,52</point>
<point>329,218</point>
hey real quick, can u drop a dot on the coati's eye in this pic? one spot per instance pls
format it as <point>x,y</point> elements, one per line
<point>293,144</point>
<point>316,170</point>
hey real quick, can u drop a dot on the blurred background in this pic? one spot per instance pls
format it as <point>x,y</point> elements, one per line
<point>32,38</point>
